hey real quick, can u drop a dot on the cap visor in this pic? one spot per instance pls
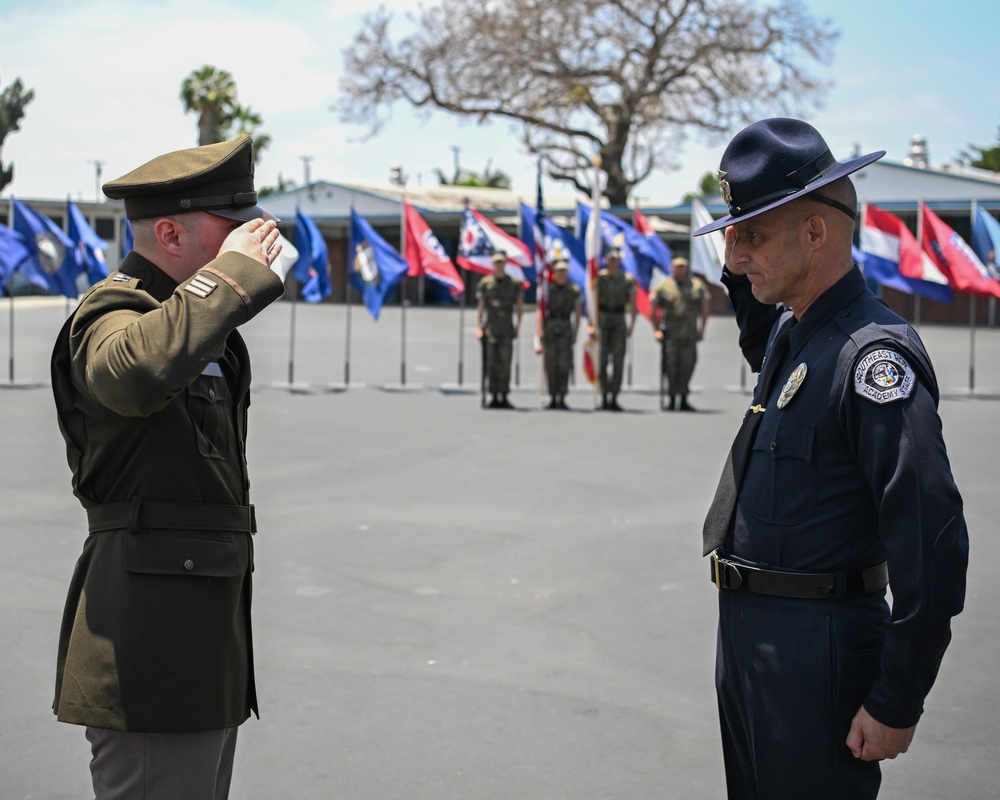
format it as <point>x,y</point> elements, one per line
<point>243,213</point>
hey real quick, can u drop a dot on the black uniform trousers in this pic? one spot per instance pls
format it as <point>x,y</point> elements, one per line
<point>790,676</point>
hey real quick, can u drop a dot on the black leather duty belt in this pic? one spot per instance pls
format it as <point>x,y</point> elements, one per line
<point>138,514</point>
<point>733,574</point>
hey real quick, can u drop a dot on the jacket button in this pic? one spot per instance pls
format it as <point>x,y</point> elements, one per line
<point>211,394</point>
<point>774,447</point>
<point>189,565</point>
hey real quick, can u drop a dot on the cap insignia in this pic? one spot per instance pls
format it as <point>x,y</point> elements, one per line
<point>727,194</point>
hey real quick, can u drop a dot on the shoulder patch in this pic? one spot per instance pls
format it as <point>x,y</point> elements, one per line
<point>883,376</point>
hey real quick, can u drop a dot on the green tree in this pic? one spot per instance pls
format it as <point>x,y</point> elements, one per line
<point>625,79</point>
<point>489,179</point>
<point>13,99</point>
<point>211,94</point>
<point>707,187</point>
<point>983,157</point>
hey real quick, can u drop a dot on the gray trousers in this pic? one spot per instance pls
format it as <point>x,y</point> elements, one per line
<point>161,766</point>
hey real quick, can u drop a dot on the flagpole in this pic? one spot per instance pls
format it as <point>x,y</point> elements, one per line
<point>402,293</point>
<point>10,297</point>
<point>920,241</point>
<point>291,333</point>
<point>972,319</point>
<point>347,335</point>
<point>461,325</point>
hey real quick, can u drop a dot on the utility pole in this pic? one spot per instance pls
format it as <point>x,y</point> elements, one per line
<point>305,164</point>
<point>455,149</point>
<point>98,169</point>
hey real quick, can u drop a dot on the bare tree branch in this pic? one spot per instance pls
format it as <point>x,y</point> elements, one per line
<point>625,78</point>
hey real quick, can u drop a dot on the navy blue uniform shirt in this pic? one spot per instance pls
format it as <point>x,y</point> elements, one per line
<point>853,471</point>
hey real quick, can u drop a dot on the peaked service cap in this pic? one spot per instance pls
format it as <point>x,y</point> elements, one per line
<point>773,162</point>
<point>217,178</point>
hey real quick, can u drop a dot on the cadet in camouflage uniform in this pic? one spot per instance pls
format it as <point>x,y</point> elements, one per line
<point>557,332</point>
<point>498,316</point>
<point>151,383</point>
<point>680,307</point>
<point>615,293</point>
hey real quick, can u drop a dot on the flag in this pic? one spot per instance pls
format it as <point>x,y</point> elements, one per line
<point>558,243</point>
<point>87,250</point>
<point>955,259</point>
<point>543,264</point>
<point>311,267</point>
<point>128,239</point>
<point>13,251</point>
<point>424,253</point>
<point>46,265</point>
<point>659,249</point>
<point>893,257</point>
<point>640,257</point>
<point>375,266</point>
<point>480,237</point>
<point>592,248</point>
<point>986,239</point>
<point>708,252</point>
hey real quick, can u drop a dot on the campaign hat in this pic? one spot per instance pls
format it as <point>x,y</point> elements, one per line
<point>217,178</point>
<point>773,162</point>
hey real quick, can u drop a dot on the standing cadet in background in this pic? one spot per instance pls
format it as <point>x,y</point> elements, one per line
<point>680,313</point>
<point>557,332</point>
<point>838,484</point>
<point>616,293</point>
<point>151,383</point>
<point>498,317</point>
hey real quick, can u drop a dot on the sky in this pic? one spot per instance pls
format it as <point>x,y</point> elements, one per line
<point>107,76</point>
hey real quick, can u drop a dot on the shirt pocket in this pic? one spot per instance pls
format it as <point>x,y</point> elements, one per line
<point>208,408</point>
<point>782,484</point>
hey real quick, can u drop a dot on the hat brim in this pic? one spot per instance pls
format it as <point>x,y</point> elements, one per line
<point>243,213</point>
<point>839,171</point>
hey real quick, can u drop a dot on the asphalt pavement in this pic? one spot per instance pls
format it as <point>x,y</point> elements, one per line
<point>462,604</point>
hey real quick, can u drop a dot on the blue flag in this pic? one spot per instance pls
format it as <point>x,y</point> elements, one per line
<point>87,246</point>
<point>128,239</point>
<point>311,268</point>
<point>640,255</point>
<point>375,265</point>
<point>986,239</point>
<point>13,251</point>
<point>559,243</point>
<point>46,265</point>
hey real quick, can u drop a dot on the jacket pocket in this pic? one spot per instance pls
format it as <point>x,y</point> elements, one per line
<point>207,401</point>
<point>784,486</point>
<point>209,555</point>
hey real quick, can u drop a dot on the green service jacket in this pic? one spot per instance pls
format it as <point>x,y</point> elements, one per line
<point>151,384</point>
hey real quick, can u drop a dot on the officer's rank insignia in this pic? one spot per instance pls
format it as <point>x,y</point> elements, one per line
<point>883,376</point>
<point>200,286</point>
<point>121,277</point>
<point>792,384</point>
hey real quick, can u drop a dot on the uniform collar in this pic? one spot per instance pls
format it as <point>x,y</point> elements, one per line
<point>154,280</point>
<point>826,306</point>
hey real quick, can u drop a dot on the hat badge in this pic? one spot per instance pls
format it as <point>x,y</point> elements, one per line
<point>727,194</point>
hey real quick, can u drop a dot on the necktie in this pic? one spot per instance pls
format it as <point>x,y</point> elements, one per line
<point>720,514</point>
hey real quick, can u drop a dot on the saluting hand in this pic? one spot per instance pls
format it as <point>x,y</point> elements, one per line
<point>730,245</point>
<point>256,238</point>
<point>870,740</point>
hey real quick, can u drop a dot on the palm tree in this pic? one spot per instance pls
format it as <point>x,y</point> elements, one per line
<point>211,93</point>
<point>243,119</point>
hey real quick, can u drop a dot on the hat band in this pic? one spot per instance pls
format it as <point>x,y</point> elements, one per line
<point>799,180</point>
<point>218,201</point>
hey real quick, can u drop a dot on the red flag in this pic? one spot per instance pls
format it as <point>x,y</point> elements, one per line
<point>641,224</point>
<point>424,253</point>
<point>956,260</point>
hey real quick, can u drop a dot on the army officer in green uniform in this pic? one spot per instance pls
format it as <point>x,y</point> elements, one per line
<point>151,383</point>
<point>557,332</point>
<point>498,317</point>
<point>615,296</point>
<point>680,307</point>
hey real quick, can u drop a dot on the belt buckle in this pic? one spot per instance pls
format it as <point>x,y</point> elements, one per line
<point>721,576</point>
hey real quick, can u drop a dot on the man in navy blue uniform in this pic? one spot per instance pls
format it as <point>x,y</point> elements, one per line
<point>838,484</point>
